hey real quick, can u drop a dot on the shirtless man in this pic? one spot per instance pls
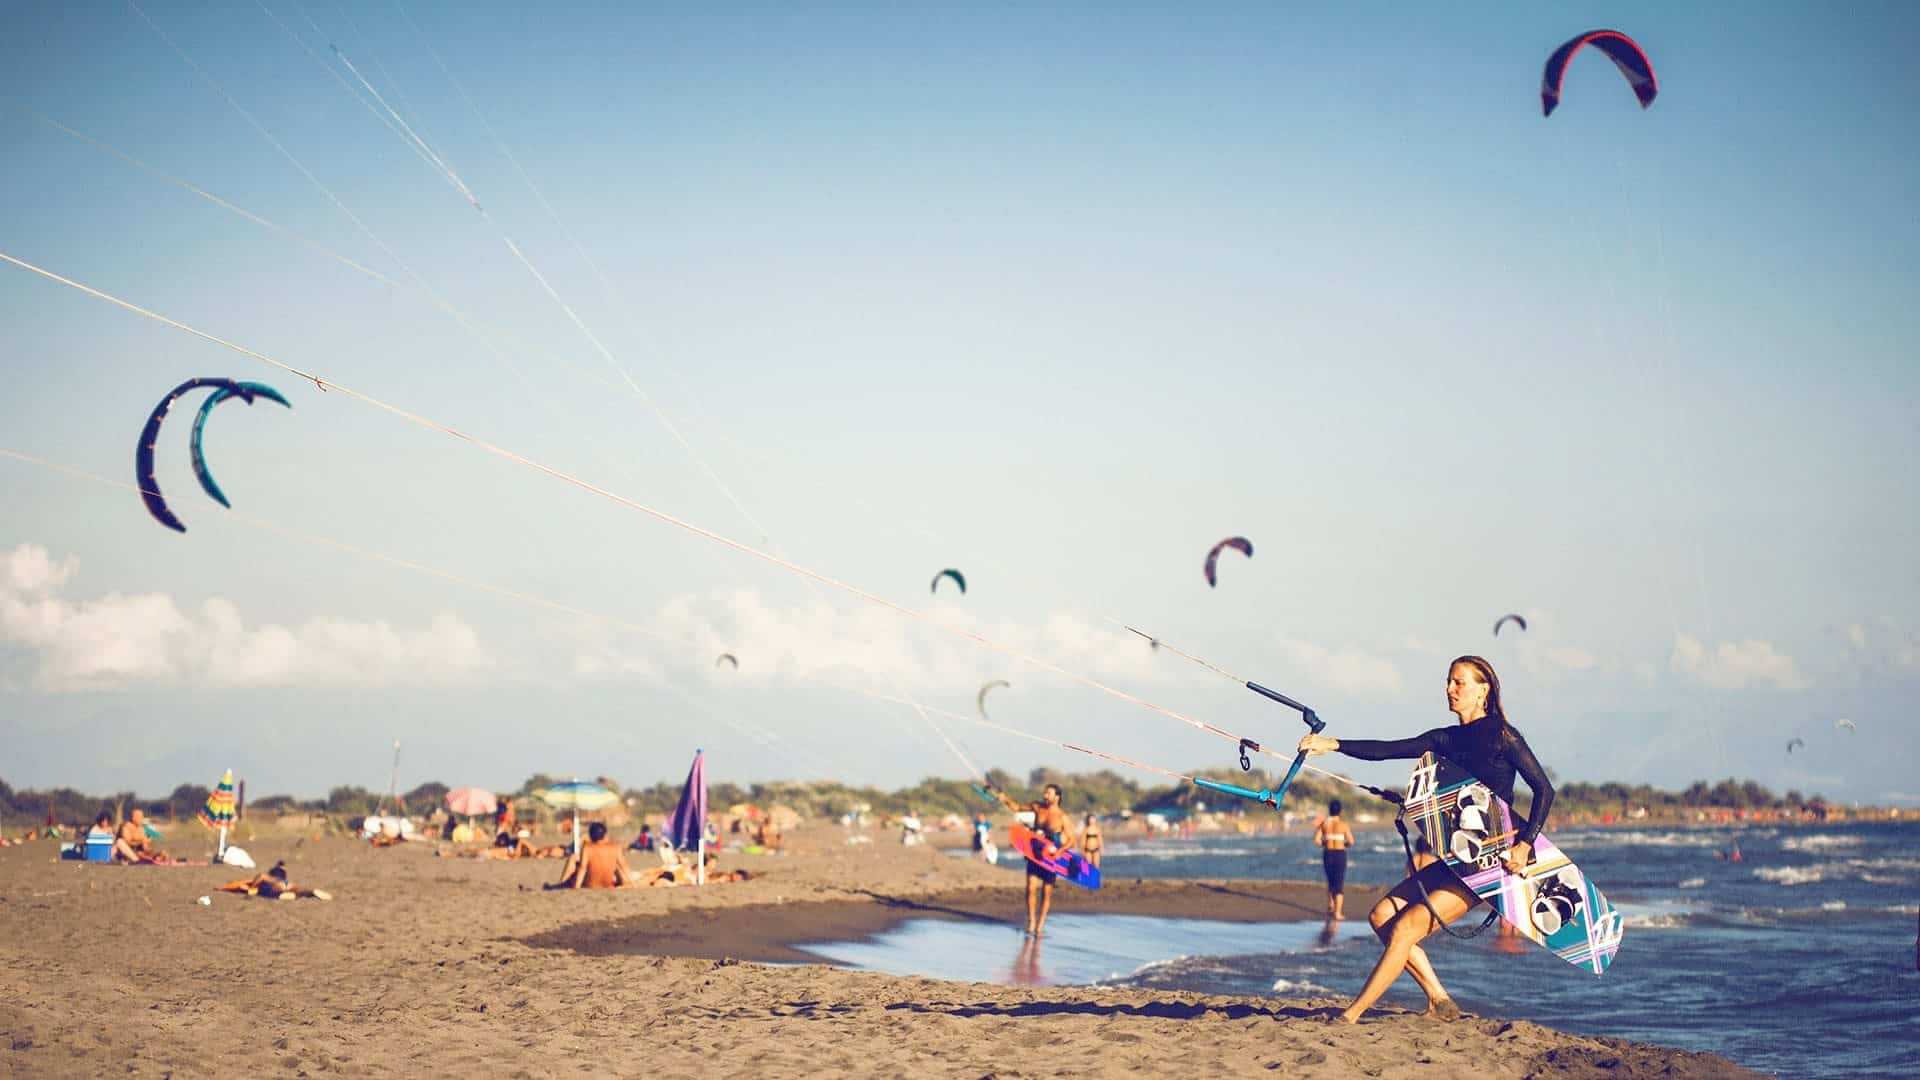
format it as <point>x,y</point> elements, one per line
<point>602,865</point>
<point>1050,821</point>
<point>132,844</point>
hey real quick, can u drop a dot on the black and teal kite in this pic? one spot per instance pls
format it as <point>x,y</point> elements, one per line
<point>150,435</point>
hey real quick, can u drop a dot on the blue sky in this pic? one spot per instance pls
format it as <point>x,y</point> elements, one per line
<point>1057,297</point>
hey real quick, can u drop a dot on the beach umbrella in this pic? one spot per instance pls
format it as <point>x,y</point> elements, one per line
<point>578,795</point>
<point>689,820</point>
<point>471,802</point>
<point>218,813</point>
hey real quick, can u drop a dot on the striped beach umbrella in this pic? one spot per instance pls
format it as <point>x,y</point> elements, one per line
<point>218,813</point>
<point>577,795</point>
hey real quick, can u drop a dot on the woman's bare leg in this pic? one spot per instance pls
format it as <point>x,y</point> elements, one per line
<point>1403,931</point>
<point>1417,965</point>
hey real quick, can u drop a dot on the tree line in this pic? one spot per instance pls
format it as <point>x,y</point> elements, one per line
<point>1104,791</point>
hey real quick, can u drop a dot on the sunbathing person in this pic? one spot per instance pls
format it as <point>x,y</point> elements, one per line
<point>132,845</point>
<point>274,885</point>
<point>504,847</point>
<point>600,865</point>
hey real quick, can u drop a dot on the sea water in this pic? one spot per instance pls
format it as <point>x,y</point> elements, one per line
<point>1798,960</point>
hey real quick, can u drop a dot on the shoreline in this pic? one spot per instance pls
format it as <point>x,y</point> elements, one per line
<point>780,933</point>
<point>425,963</point>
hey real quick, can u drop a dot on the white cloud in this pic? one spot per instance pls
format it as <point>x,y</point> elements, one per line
<point>120,640</point>
<point>1736,665</point>
<point>1348,670</point>
<point>873,646</point>
<point>1883,644</point>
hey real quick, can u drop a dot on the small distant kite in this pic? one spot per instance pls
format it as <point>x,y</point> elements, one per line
<point>727,658</point>
<point>1796,743</point>
<point>1504,620</point>
<point>150,435</point>
<point>1626,54</point>
<point>980,699</point>
<point>1238,543</point>
<point>1843,722</point>
<point>948,573</point>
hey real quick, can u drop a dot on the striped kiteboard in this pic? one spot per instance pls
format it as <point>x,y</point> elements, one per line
<point>1551,904</point>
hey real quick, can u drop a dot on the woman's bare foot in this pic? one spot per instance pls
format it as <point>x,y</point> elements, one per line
<point>1443,1009</point>
<point>1348,1017</point>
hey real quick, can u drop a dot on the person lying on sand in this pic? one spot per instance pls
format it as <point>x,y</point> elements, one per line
<point>133,845</point>
<point>273,885</point>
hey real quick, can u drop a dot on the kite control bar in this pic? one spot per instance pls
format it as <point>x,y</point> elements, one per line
<point>1270,796</point>
<point>1312,720</point>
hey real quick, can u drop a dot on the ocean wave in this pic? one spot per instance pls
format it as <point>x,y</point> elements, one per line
<point>1611,838</point>
<point>1692,883</point>
<point>1664,920</point>
<point>1880,870</point>
<point>1819,842</point>
<point>1290,986</point>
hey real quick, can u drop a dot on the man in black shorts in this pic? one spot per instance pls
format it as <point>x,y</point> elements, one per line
<point>1050,821</point>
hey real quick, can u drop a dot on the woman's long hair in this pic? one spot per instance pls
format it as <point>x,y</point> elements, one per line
<point>1495,710</point>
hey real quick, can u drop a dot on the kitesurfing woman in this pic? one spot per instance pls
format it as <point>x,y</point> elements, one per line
<point>1487,746</point>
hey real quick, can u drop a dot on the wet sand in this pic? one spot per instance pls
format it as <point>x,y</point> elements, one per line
<point>425,963</point>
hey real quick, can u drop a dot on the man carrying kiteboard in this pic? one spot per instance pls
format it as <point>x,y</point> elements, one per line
<point>1050,821</point>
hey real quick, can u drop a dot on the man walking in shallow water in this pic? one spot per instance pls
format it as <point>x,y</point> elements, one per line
<point>1050,821</point>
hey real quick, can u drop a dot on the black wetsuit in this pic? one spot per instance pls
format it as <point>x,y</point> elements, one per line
<point>1488,748</point>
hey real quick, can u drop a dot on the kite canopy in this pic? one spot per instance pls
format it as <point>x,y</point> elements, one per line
<point>727,658</point>
<point>1792,744</point>
<point>980,699</point>
<point>1625,53</point>
<point>150,435</point>
<point>1845,723</point>
<point>948,573</point>
<point>1505,619</point>
<point>245,391</point>
<point>1238,543</point>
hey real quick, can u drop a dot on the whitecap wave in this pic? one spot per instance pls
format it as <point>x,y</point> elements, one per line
<point>1692,883</point>
<point>1291,986</point>
<point>1819,842</point>
<point>1790,875</point>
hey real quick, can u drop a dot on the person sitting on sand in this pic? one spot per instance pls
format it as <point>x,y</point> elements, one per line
<point>643,842</point>
<point>1050,821</point>
<point>769,837</point>
<point>133,845</point>
<point>600,865</point>
<point>1432,895</point>
<point>274,885</point>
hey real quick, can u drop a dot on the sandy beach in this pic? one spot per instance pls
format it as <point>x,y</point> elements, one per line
<point>437,963</point>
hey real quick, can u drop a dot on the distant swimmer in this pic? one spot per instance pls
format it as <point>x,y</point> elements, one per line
<point>1432,896</point>
<point>1729,856</point>
<point>1050,821</point>
<point>1334,838</point>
